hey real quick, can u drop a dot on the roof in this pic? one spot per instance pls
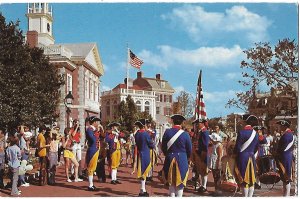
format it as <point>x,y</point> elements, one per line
<point>134,87</point>
<point>155,84</point>
<point>80,49</point>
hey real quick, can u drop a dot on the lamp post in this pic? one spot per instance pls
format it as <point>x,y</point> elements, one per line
<point>68,101</point>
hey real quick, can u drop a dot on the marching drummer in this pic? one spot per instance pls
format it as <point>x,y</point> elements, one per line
<point>285,155</point>
<point>261,150</point>
<point>245,148</point>
<point>177,147</point>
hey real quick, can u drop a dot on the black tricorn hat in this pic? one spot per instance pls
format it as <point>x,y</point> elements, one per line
<point>141,122</point>
<point>259,128</point>
<point>94,119</point>
<point>286,123</point>
<point>114,124</point>
<point>177,117</point>
<point>148,121</point>
<point>199,120</point>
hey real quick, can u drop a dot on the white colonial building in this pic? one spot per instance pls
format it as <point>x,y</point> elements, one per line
<point>79,63</point>
<point>152,95</point>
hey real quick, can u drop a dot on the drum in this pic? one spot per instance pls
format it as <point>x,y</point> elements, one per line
<point>228,182</point>
<point>267,170</point>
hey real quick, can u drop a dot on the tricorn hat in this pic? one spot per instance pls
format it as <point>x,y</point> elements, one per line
<point>94,119</point>
<point>286,123</point>
<point>259,128</point>
<point>114,124</point>
<point>141,122</point>
<point>177,117</point>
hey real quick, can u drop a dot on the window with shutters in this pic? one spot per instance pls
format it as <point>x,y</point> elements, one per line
<point>138,106</point>
<point>147,107</point>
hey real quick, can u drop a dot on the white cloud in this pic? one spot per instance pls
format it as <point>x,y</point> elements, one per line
<point>105,88</point>
<point>232,76</point>
<point>202,25</point>
<point>178,89</point>
<point>216,97</point>
<point>200,57</point>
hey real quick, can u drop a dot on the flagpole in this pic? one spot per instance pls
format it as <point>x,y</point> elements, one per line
<point>127,66</point>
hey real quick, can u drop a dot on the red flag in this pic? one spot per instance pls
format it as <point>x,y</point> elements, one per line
<point>200,112</point>
<point>134,60</point>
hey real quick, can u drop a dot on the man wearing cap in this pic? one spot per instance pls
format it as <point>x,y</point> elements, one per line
<point>143,161</point>
<point>177,147</point>
<point>114,155</point>
<point>92,152</point>
<point>285,155</point>
<point>202,163</point>
<point>245,148</point>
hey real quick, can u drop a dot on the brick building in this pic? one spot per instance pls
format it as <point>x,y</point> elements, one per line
<point>79,63</point>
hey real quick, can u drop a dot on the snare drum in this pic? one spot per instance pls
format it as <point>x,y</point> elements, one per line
<point>228,182</point>
<point>267,170</point>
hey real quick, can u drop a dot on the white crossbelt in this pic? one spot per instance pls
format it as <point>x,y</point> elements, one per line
<point>249,141</point>
<point>174,138</point>
<point>289,145</point>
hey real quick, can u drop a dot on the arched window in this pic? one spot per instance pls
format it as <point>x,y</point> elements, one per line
<point>147,107</point>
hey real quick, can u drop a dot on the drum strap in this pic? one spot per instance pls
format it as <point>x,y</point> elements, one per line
<point>248,142</point>
<point>289,145</point>
<point>174,138</point>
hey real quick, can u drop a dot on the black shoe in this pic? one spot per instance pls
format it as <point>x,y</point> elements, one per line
<point>93,188</point>
<point>257,186</point>
<point>202,189</point>
<point>149,179</point>
<point>144,194</point>
<point>113,182</point>
<point>72,177</point>
<point>118,182</point>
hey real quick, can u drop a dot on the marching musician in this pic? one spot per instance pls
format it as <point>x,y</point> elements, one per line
<point>285,155</point>
<point>262,142</point>
<point>143,155</point>
<point>100,170</point>
<point>177,148</point>
<point>202,163</point>
<point>112,139</point>
<point>92,152</point>
<point>245,148</point>
<point>153,153</point>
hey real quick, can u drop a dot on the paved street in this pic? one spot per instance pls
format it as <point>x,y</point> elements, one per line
<point>129,187</point>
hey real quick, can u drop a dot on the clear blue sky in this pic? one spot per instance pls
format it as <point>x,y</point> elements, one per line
<point>174,39</point>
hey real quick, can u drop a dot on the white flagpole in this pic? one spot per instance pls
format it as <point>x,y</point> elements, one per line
<point>127,79</point>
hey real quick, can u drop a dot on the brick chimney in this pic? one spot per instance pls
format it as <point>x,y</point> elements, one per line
<point>139,74</point>
<point>158,76</point>
<point>32,38</point>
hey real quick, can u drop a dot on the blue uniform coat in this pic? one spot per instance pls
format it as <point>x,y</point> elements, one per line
<point>285,158</point>
<point>92,152</point>
<point>246,160</point>
<point>143,144</point>
<point>176,157</point>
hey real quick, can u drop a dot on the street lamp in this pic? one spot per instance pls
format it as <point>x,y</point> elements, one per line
<point>68,101</point>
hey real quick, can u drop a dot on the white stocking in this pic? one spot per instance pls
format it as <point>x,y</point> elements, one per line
<point>143,186</point>
<point>179,192</point>
<point>172,190</point>
<point>91,181</point>
<point>204,181</point>
<point>251,191</point>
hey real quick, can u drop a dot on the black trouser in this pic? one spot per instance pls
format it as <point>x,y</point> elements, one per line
<point>100,170</point>
<point>1,176</point>
<point>60,149</point>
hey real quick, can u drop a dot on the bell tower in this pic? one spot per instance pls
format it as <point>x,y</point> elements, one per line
<point>40,19</point>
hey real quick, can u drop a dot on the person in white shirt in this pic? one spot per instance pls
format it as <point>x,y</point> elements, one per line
<point>221,133</point>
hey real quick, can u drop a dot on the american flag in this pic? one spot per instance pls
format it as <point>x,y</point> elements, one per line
<point>134,60</point>
<point>200,112</point>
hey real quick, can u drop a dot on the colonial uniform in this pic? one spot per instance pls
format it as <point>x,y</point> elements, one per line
<point>285,156</point>
<point>92,153</point>
<point>153,153</point>
<point>176,166</point>
<point>142,150</point>
<point>177,147</point>
<point>114,152</point>
<point>203,143</point>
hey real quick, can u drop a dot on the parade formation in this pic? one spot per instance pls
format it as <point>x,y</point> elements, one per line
<point>135,136</point>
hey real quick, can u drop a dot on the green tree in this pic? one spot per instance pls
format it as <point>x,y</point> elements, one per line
<point>30,84</point>
<point>276,66</point>
<point>186,104</point>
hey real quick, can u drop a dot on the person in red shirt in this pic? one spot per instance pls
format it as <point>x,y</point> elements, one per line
<point>76,149</point>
